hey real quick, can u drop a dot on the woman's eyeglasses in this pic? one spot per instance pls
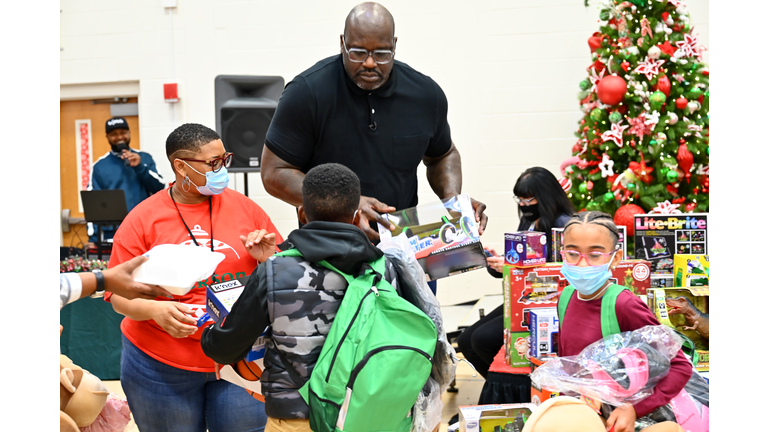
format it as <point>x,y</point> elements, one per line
<point>217,163</point>
<point>524,201</point>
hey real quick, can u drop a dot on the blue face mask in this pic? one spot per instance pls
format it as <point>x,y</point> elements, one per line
<point>587,280</point>
<point>215,182</point>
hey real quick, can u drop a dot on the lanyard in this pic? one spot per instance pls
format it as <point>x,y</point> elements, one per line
<point>210,213</point>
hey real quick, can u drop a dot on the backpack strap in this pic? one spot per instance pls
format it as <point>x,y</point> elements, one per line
<point>609,322</point>
<point>562,304</point>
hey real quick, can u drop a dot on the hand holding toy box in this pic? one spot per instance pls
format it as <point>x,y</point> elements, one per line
<point>219,301</point>
<point>525,248</point>
<point>443,236</point>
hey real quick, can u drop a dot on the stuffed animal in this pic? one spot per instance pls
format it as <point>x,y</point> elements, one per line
<point>82,396</point>
<point>568,414</point>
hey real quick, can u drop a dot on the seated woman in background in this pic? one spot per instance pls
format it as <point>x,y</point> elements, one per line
<point>542,205</point>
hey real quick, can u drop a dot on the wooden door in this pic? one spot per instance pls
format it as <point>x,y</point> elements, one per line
<point>98,114</point>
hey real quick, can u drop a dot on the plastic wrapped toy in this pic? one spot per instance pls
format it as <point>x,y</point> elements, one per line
<point>427,411</point>
<point>624,368</point>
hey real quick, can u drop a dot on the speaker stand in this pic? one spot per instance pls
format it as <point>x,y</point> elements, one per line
<point>245,186</point>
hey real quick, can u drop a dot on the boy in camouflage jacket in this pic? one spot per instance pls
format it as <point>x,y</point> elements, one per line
<point>298,297</point>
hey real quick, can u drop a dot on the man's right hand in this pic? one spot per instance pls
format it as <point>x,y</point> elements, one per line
<point>173,318</point>
<point>370,209</point>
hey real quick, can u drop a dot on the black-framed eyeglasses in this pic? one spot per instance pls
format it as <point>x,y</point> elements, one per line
<point>359,55</point>
<point>216,163</point>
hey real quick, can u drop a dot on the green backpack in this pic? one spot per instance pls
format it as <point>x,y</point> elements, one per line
<point>609,323</point>
<point>375,361</point>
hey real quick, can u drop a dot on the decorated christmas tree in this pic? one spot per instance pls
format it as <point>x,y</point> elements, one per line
<point>643,143</point>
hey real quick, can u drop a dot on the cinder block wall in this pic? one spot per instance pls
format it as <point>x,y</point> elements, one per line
<point>509,68</point>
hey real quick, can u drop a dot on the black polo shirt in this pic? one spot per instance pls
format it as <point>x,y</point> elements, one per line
<point>382,135</point>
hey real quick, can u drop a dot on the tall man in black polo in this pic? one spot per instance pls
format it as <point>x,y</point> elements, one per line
<point>369,112</point>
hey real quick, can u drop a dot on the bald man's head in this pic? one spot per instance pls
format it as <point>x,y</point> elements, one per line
<point>369,14</point>
<point>369,27</point>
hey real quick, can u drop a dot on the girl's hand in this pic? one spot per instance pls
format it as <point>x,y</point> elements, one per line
<point>260,244</point>
<point>622,419</point>
<point>495,261</point>
<point>173,318</point>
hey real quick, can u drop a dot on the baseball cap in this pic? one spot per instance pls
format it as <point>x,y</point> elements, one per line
<point>116,123</point>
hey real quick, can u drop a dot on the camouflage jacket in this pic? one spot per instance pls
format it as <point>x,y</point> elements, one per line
<point>299,299</point>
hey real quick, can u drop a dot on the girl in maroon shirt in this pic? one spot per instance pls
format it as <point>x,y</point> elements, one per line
<point>589,252</point>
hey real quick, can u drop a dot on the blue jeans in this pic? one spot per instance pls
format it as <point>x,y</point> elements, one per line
<point>163,398</point>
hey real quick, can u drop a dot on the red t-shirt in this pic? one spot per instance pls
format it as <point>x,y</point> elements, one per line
<point>156,221</point>
<point>582,328</point>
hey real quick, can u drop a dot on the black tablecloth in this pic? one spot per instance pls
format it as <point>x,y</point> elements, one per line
<point>500,388</point>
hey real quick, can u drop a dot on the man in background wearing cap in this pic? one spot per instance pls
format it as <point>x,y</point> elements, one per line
<point>124,168</point>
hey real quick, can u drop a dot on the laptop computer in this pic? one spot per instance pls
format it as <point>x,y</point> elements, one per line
<point>104,206</point>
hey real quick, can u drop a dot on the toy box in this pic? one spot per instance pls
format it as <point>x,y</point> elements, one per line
<point>526,289</point>
<point>219,300</point>
<point>443,236</point>
<point>517,348</point>
<point>494,418</point>
<point>659,237</point>
<point>525,248</point>
<point>691,270</point>
<point>557,243</point>
<point>538,394</point>
<point>545,330</point>
<point>687,311</point>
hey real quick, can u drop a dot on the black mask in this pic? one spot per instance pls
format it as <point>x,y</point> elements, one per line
<point>118,148</point>
<point>530,212</point>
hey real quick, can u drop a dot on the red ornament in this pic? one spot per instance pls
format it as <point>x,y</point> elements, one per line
<point>667,48</point>
<point>663,85</point>
<point>672,190</point>
<point>595,41</point>
<point>625,215</point>
<point>685,160</point>
<point>705,73</point>
<point>598,65</point>
<point>690,207</point>
<point>664,16</point>
<point>681,103</point>
<point>611,90</point>
<point>576,149</point>
<point>625,65</point>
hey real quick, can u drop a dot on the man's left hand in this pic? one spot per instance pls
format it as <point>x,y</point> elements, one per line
<point>260,244</point>
<point>133,158</point>
<point>480,216</point>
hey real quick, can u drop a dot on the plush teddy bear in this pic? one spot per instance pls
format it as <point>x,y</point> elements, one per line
<point>82,396</point>
<point>568,414</point>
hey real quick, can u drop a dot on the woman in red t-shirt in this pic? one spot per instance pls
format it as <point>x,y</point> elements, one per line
<point>168,381</point>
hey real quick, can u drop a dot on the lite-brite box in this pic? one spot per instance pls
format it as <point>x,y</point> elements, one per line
<point>557,242</point>
<point>526,289</point>
<point>219,300</point>
<point>517,348</point>
<point>538,394</point>
<point>687,311</point>
<point>691,270</point>
<point>659,237</point>
<point>492,418</point>
<point>525,248</point>
<point>443,236</point>
<point>544,331</point>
